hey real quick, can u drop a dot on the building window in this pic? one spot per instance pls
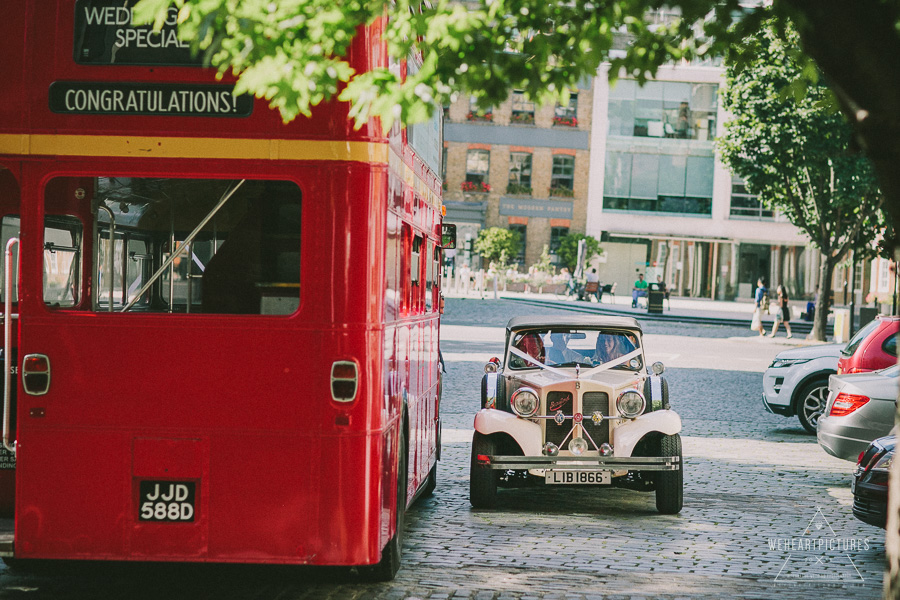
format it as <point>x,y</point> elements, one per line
<point>478,164</point>
<point>745,205</point>
<point>663,109</point>
<point>522,109</point>
<point>519,173</point>
<point>562,179</point>
<point>556,236</point>
<point>658,183</point>
<point>884,275</point>
<point>444,167</point>
<point>523,241</point>
<point>567,115</point>
<point>479,114</point>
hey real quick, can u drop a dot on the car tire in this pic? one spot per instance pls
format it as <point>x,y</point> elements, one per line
<point>670,484</point>
<point>811,403</point>
<point>482,481</point>
<point>389,564</point>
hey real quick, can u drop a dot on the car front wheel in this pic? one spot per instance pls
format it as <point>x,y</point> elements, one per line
<point>670,484</point>
<point>811,403</point>
<point>482,481</point>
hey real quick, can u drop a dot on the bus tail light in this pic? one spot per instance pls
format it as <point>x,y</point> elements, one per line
<point>845,404</point>
<point>344,377</point>
<point>36,374</point>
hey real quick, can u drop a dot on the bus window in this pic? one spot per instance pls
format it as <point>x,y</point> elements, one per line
<point>62,252</point>
<point>194,245</point>
<point>414,265</point>
<point>62,261</point>
<point>429,276</point>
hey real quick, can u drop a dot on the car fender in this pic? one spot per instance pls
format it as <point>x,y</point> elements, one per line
<point>629,434</point>
<point>527,434</point>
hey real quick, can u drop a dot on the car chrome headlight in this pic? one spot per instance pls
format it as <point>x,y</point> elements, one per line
<point>779,363</point>
<point>525,402</point>
<point>630,403</point>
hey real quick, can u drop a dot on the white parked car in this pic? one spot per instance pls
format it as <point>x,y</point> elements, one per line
<point>796,383</point>
<point>573,403</point>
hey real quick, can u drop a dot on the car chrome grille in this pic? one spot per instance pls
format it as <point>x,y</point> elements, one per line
<point>591,402</point>
<point>558,401</point>
<point>596,402</point>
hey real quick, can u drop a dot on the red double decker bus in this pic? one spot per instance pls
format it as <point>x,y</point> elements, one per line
<point>223,330</point>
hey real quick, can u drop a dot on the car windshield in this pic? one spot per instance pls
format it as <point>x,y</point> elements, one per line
<point>567,347</point>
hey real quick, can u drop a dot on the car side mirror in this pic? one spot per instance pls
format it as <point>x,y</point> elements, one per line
<point>657,368</point>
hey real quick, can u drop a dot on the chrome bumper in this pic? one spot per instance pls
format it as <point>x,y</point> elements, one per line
<point>581,463</point>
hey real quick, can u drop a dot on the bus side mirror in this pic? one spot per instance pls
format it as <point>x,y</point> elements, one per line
<point>448,237</point>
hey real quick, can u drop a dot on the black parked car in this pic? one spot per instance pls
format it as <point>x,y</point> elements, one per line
<point>870,482</point>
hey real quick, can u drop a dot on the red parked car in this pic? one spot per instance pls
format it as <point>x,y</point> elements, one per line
<point>873,347</point>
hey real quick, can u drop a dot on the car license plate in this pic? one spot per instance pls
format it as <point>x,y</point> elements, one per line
<point>577,477</point>
<point>167,501</point>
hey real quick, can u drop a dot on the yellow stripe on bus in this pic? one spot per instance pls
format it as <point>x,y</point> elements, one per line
<point>180,147</point>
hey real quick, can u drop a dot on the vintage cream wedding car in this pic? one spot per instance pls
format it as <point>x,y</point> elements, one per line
<point>573,403</point>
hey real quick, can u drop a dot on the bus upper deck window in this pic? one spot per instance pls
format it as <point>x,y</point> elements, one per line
<point>244,259</point>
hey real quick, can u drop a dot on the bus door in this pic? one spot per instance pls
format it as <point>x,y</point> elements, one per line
<point>62,258</point>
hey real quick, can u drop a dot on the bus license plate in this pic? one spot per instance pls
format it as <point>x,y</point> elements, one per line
<point>577,477</point>
<point>167,501</point>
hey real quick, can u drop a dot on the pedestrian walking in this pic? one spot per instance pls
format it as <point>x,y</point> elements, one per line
<point>783,314</point>
<point>756,322</point>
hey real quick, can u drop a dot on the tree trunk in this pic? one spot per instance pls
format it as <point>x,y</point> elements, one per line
<point>823,293</point>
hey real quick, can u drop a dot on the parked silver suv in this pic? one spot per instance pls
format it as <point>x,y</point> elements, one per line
<point>796,383</point>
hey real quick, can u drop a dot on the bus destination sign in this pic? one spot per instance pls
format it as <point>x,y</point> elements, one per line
<point>104,35</point>
<point>150,99</point>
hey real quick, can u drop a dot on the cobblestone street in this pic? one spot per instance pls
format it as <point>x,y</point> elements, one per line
<point>753,482</point>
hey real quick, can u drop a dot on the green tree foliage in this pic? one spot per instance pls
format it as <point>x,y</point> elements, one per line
<point>568,249</point>
<point>794,151</point>
<point>494,244</point>
<point>293,52</point>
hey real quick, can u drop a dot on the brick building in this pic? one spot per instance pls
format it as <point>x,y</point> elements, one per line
<point>518,166</point>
